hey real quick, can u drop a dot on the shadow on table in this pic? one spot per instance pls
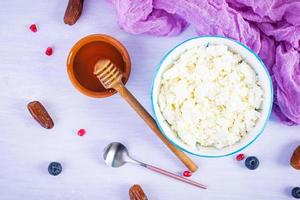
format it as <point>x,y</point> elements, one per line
<point>286,153</point>
<point>288,191</point>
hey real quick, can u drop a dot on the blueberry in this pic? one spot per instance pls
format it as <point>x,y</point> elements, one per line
<point>54,168</point>
<point>251,162</point>
<point>296,192</point>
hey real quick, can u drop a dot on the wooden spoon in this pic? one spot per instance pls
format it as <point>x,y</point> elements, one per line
<point>110,77</point>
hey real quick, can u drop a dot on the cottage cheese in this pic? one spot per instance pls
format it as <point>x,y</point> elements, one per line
<point>210,97</point>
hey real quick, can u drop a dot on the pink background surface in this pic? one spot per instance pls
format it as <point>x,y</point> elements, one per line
<point>26,149</point>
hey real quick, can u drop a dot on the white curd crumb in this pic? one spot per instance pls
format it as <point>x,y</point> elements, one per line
<point>210,97</point>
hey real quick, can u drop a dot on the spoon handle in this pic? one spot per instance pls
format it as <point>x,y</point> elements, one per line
<point>175,176</point>
<point>133,102</point>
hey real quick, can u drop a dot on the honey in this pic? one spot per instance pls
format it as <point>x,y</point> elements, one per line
<point>83,57</point>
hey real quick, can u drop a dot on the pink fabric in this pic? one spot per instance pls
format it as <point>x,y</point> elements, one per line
<point>270,27</point>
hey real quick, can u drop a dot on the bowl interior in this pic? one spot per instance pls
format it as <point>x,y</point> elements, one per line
<point>86,53</point>
<point>251,58</point>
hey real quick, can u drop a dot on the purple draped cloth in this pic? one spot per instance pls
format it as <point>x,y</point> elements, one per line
<point>270,27</point>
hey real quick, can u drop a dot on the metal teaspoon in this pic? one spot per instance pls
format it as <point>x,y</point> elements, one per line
<point>116,154</point>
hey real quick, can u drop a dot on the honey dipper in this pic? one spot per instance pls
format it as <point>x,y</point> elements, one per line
<point>110,77</point>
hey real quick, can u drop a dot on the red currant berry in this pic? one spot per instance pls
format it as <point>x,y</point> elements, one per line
<point>187,173</point>
<point>33,28</point>
<point>81,132</point>
<point>49,51</point>
<point>240,157</point>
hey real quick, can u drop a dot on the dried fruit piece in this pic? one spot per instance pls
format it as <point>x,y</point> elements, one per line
<point>240,157</point>
<point>33,28</point>
<point>81,132</point>
<point>187,173</point>
<point>73,11</point>
<point>49,51</point>
<point>40,114</point>
<point>295,159</point>
<point>137,193</point>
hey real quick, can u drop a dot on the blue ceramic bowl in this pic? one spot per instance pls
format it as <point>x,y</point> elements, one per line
<point>251,58</point>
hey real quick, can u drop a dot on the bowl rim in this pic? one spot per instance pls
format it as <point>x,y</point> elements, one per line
<point>94,38</point>
<point>264,123</point>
